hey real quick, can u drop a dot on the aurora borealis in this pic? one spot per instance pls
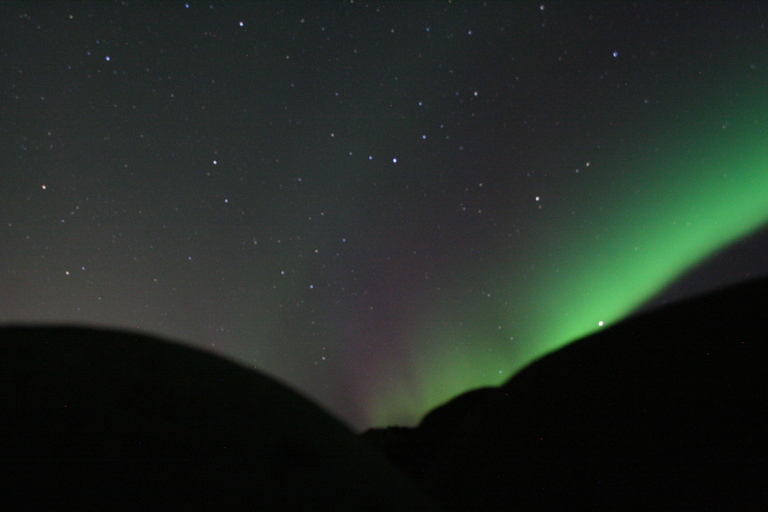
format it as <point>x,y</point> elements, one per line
<point>382,205</point>
<point>644,241</point>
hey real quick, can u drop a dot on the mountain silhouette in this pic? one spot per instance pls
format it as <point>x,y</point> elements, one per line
<point>108,420</point>
<point>667,410</point>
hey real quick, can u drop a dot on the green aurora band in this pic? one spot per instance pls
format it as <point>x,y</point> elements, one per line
<point>660,219</point>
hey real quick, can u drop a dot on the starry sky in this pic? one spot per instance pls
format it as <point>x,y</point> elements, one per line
<point>381,204</point>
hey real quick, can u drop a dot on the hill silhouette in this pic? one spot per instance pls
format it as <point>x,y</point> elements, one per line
<point>663,411</point>
<point>107,420</point>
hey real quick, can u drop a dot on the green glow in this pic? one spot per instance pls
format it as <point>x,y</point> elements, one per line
<point>643,231</point>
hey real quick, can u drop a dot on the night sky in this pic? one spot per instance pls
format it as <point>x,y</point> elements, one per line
<point>381,204</point>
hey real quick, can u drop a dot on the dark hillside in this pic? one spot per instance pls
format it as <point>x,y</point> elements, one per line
<point>104,420</point>
<point>664,411</point>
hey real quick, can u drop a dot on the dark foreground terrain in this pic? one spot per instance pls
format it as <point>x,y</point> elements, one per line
<point>664,411</point>
<point>103,420</point>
